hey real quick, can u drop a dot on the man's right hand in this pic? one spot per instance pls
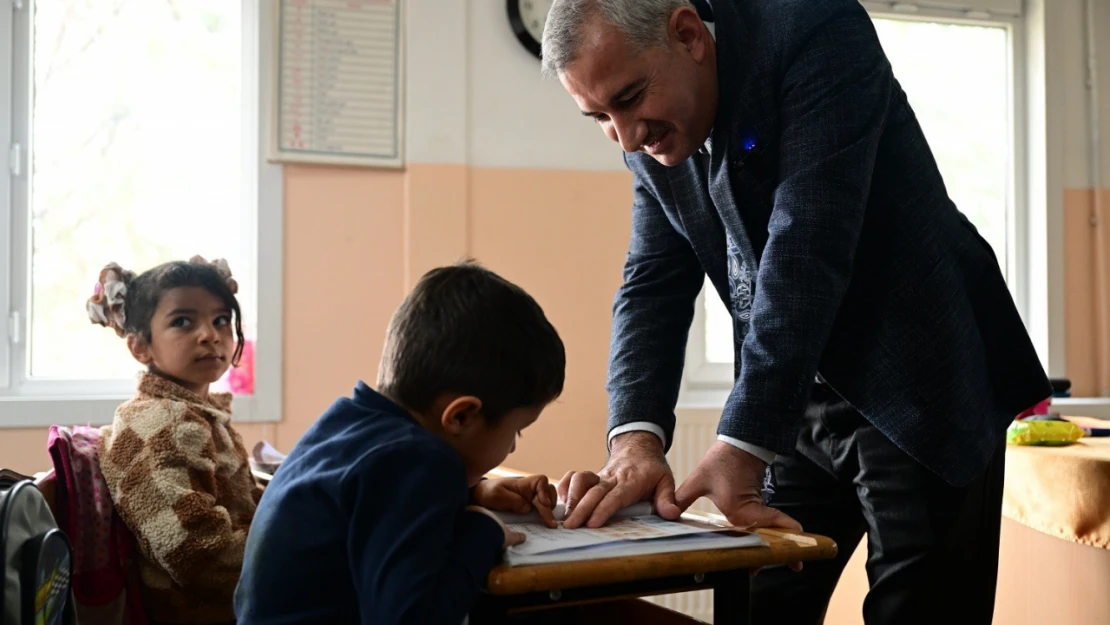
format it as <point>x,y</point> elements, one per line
<point>637,470</point>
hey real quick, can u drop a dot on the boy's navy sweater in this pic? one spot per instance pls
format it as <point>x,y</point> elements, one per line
<point>365,522</point>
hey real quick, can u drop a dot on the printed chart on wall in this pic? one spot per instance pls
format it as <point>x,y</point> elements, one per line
<point>338,84</point>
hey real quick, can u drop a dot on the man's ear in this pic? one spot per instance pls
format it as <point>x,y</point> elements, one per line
<point>461,415</point>
<point>688,31</point>
<point>140,349</point>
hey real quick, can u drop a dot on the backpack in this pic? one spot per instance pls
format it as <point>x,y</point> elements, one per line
<point>105,586</point>
<point>38,562</point>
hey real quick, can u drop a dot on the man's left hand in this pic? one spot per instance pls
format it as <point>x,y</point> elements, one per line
<point>733,480</point>
<point>517,494</point>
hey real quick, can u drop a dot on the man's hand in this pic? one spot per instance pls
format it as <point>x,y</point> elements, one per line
<point>511,537</point>
<point>637,470</point>
<point>517,494</point>
<point>733,480</point>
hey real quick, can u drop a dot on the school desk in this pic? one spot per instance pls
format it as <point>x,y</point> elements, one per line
<point>521,590</point>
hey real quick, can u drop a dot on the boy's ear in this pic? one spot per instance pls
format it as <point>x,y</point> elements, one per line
<point>139,349</point>
<point>461,414</point>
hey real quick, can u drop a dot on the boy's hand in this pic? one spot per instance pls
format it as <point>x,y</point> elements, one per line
<point>518,494</point>
<point>511,537</point>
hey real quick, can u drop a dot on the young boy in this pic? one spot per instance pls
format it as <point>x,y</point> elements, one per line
<point>379,514</point>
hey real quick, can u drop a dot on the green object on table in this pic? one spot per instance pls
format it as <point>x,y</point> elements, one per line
<point>1044,433</point>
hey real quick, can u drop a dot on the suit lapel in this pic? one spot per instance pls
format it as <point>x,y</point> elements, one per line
<point>744,169</point>
<point>728,195</point>
<point>736,143</point>
<point>741,179</point>
<point>699,218</point>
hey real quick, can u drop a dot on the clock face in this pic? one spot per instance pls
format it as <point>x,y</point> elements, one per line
<point>534,14</point>
<point>527,18</point>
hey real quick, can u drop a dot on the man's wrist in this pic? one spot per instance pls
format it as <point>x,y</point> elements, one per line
<point>637,426</point>
<point>764,454</point>
<point>636,440</point>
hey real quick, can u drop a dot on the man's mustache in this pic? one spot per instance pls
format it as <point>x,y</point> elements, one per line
<point>654,134</point>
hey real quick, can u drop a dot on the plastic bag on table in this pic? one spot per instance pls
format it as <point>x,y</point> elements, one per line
<point>1047,433</point>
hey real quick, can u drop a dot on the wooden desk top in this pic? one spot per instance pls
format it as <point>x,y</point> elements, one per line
<point>781,549</point>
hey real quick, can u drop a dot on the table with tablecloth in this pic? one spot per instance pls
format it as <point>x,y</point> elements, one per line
<point>1054,561</point>
<point>1061,491</point>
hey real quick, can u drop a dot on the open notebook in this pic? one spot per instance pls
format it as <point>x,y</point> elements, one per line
<point>635,530</point>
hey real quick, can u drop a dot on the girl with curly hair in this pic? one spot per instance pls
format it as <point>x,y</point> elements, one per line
<point>177,471</point>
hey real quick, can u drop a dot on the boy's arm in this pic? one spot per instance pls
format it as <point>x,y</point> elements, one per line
<point>161,469</point>
<point>416,555</point>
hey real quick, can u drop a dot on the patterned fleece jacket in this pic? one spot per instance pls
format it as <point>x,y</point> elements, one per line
<point>180,480</point>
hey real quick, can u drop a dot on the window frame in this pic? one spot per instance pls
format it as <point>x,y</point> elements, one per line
<point>34,403</point>
<point>708,383</point>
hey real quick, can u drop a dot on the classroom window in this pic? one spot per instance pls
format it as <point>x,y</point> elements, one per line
<point>135,139</point>
<point>958,78</point>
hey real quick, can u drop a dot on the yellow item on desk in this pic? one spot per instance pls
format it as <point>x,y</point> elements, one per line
<point>1053,433</point>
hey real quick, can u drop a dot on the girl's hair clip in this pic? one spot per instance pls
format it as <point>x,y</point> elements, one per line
<point>106,306</point>
<point>222,268</point>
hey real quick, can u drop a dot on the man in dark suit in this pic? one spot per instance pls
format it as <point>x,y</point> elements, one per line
<point>879,355</point>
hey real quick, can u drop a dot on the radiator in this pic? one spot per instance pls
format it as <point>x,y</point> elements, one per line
<point>693,435</point>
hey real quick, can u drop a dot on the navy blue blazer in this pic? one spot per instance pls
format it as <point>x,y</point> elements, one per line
<point>821,218</point>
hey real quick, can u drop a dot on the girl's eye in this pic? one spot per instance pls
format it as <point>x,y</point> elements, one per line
<point>223,320</point>
<point>181,322</point>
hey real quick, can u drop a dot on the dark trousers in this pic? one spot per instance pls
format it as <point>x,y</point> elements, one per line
<point>932,549</point>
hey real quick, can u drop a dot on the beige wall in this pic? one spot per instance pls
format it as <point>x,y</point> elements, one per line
<point>356,240</point>
<point>1080,282</point>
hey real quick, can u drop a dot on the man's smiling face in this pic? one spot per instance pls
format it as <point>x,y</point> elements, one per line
<point>660,100</point>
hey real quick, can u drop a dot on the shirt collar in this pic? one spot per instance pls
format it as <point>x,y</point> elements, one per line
<point>373,400</point>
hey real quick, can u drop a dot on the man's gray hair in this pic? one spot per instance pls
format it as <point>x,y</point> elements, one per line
<point>642,22</point>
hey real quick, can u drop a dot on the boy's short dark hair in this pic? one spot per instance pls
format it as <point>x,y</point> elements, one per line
<point>464,329</point>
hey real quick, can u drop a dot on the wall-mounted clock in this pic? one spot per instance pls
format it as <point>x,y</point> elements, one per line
<point>527,18</point>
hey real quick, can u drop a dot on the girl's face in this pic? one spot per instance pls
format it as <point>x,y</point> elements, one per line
<point>191,339</point>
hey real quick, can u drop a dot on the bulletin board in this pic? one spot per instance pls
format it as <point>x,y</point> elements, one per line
<point>338,83</point>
